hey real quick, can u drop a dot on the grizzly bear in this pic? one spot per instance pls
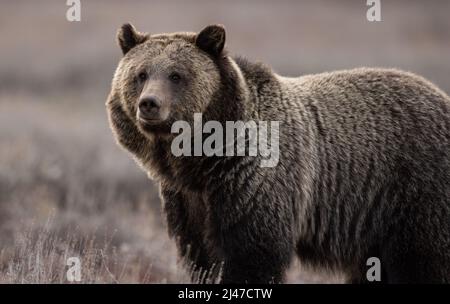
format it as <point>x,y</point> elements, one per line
<point>363,171</point>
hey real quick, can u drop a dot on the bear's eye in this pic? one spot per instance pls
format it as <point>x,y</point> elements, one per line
<point>142,76</point>
<point>175,77</point>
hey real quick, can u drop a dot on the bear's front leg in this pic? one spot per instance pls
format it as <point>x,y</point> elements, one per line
<point>257,250</point>
<point>189,236</point>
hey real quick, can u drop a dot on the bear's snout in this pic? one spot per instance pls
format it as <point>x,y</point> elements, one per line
<point>149,108</point>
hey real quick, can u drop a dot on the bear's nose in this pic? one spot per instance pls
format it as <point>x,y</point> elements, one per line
<point>149,107</point>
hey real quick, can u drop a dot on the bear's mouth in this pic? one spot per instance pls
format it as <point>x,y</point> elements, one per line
<point>155,125</point>
<point>146,121</point>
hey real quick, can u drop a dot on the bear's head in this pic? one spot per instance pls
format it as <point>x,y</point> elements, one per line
<point>168,77</point>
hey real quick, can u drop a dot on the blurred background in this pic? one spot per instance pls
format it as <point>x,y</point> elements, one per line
<point>66,188</point>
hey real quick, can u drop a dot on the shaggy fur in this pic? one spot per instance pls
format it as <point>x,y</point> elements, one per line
<point>364,165</point>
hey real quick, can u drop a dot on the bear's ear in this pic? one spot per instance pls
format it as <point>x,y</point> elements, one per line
<point>128,37</point>
<point>211,39</point>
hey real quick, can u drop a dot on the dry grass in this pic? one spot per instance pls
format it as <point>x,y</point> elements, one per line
<point>103,209</point>
<point>38,256</point>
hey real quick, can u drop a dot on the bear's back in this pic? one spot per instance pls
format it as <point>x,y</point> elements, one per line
<point>372,112</point>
